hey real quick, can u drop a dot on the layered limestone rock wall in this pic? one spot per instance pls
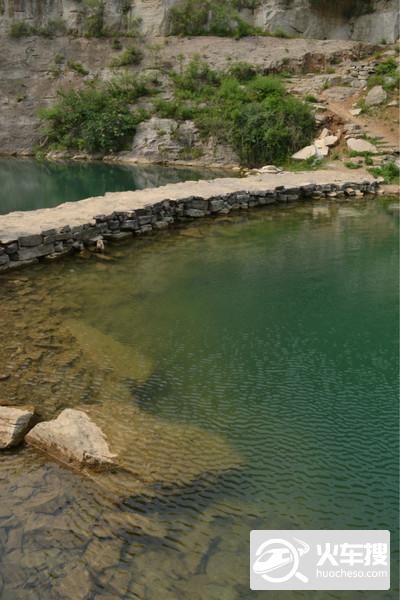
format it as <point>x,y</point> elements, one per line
<point>378,22</point>
<point>152,14</point>
<point>308,18</point>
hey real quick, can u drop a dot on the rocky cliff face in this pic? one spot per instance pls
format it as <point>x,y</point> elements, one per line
<point>309,18</point>
<point>377,22</point>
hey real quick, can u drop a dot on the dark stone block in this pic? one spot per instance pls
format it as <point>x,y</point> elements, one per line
<point>29,241</point>
<point>35,251</point>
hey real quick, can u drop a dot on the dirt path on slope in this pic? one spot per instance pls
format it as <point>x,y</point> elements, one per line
<point>374,127</point>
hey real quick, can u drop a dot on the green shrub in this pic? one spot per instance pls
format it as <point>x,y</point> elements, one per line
<point>77,67</point>
<point>94,19</point>
<point>130,88</point>
<point>59,58</point>
<point>387,67</point>
<point>352,165</point>
<point>173,109</point>
<point>280,33</point>
<point>92,119</point>
<point>210,17</point>
<point>195,77</point>
<point>270,131</point>
<point>386,74</point>
<point>243,71</point>
<point>257,117</point>
<point>249,4</point>
<point>130,56</point>
<point>20,29</point>
<point>390,172</point>
<point>265,85</point>
<point>310,164</point>
<point>53,27</point>
<point>310,98</point>
<point>116,44</point>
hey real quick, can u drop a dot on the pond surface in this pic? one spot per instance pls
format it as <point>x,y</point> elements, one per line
<point>27,184</point>
<point>245,369</point>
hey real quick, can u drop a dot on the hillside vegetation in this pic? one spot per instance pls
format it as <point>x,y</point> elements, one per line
<point>252,113</point>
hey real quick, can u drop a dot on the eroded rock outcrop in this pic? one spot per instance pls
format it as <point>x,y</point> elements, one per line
<point>14,423</point>
<point>73,438</point>
<point>365,20</point>
<point>159,140</point>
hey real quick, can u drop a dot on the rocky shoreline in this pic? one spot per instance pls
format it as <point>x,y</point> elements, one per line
<point>47,234</point>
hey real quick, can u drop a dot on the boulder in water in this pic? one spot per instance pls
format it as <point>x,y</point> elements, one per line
<point>73,438</point>
<point>14,423</point>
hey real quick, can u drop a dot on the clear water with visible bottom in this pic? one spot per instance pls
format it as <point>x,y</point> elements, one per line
<point>244,368</point>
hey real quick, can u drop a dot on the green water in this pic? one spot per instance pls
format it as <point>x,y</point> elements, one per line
<point>273,332</point>
<point>29,184</point>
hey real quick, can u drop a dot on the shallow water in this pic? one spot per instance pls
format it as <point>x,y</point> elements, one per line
<point>30,184</point>
<point>244,368</point>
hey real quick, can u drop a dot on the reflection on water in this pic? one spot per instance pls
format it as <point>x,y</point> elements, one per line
<point>244,369</point>
<point>30,184</point>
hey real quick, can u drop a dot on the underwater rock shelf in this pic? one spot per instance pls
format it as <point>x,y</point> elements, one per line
<point>44,234</point>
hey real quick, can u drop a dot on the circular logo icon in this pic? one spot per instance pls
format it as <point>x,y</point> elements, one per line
<point>278,560</point>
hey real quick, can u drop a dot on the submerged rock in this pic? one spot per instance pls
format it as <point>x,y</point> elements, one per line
<point>107,352</point>
<point>73,438</point>
<point>14,423</point>
<point>155,452</point>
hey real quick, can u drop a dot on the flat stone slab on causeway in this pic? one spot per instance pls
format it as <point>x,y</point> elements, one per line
<point>14,423</point>
<point>16,225</point>
<point>74,439</point>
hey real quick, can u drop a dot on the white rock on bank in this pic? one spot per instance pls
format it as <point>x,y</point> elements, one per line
<point>356,111</point>
<point>330,140</point>
<point>269,169</point>
<point>322,148</point>
<point>375,96</point>
<point>306,152</point>
<point>14,423</point>
<point>358,145</point>
<point>73,438</point>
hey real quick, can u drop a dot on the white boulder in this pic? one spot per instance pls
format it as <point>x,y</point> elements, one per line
<point>73,438</point>
<point>330,140</point>
<point>270,169</point>
<point>14,423</point>
<point>306,152</point>
<point>322,148</point>
<point>359,145</point>
<point>375,96</point>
